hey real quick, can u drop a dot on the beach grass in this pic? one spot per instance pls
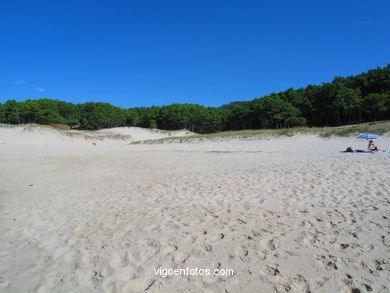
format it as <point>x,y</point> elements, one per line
<point>85,134</point>
<point>381,127</point>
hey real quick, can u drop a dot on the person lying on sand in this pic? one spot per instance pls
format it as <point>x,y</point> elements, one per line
<point>351,150</point>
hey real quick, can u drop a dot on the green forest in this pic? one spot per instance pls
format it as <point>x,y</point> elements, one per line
<point>345,100</point>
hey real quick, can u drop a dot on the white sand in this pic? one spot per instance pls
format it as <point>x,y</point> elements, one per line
<point>286,214</point>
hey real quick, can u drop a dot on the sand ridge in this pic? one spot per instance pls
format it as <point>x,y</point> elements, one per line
<point>34,134</point>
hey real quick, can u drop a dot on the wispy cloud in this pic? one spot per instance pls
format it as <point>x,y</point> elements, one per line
<point>39,89</point>
<point>18,82</point>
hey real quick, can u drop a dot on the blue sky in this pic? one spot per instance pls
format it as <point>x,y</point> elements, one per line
<point>142,53</point>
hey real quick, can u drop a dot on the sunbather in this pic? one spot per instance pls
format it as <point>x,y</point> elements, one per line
<point>372,146</point>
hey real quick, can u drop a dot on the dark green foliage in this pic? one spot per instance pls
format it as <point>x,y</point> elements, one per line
<point>354,99</point>
<point>2,112</point>
<point>152,124</point>
<point>101,115</point>
<point>349,100</point>
<point>48,116</point>
<point>179,116</point>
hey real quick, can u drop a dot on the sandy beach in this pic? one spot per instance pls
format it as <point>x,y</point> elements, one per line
<point>286,214</point>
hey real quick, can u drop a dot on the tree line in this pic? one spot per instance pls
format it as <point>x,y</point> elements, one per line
<point>345,100</point>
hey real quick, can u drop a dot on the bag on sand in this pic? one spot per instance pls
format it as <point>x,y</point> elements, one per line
<point>349,150</point>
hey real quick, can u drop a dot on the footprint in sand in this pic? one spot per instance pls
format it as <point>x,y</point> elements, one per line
<point>327,261</point>
<point>97,278</point>
<point>125,260</point>
<point>261,255</point>
<point>180,257</point>
<point>270,244</point>
<point>3,282</point>
<point>298,283</point>
<point>272,269</point>
<point>208,247</point>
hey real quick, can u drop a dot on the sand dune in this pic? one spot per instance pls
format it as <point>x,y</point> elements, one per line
<point>33,134</point>
<point>287,214</point>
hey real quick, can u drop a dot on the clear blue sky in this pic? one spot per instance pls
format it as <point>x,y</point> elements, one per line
<point>146,52</point>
